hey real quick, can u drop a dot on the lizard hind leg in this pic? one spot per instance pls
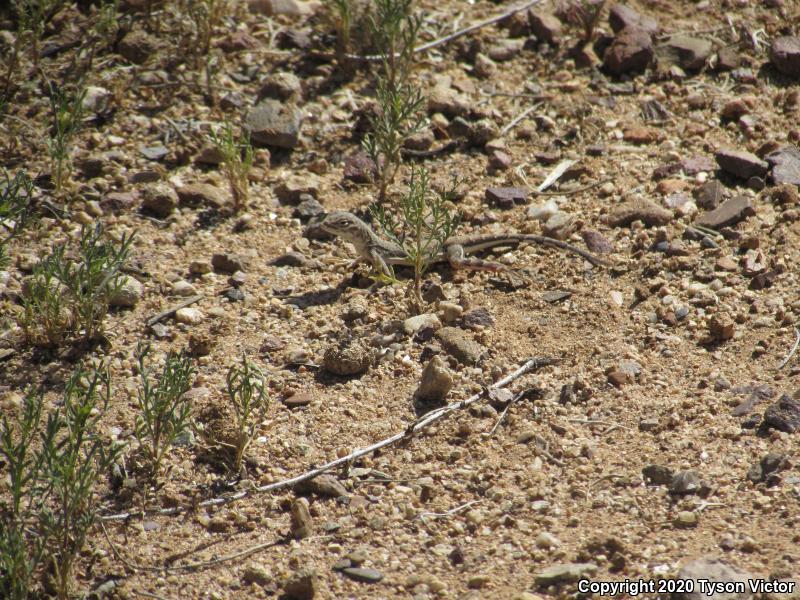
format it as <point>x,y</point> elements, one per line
<point>458,260</point>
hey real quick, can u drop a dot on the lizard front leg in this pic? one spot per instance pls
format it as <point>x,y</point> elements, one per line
<point>458,260</point>
<point>379,264</point>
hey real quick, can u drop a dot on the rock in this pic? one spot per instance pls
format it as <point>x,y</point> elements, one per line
<point>657,474</point>
<point>478,317</point>
<point>137,46</point>
<point>282,86</point>
<point>96,99</point>
<point>506,197</point>
<point>728,213</point>
<point>477,582</point>
<point>734,109</point>
<point>768,465</point>
<point>202,194</point>
<point>711,570</point>
<point>237,41</point>
<point>159,199</point>
<point>461,347</point>
<point>783,415</point>
<point>728,59</point>
<point>564,573</point>
<point>785,163</point>
<point>740,163</point>
<point>292,259</point>
<point>347,357</point>
<point>189,316</point>
<point>360,168</point>
<point>559,226</point>
<point>721,328</point>
<point>229,263</point>
<point>436,381</point>
<point>546,27</point>
<point>308,208</point>
<point>302,585</point>
<point>710,195</point>
<point>273,123</point>
<point>290,190</point>
<point>128,294</point>
<point>257,574</point>
<point>483,66</point>
<point>596,242</point>
<point>499,160</point>
<point>689,53</point>
<point>424,321</point>
<point>209,154</point>
<point>299,399</point>
<point>444,99</point>
<point>302,524</point>
<point>640,135</point>
<point>481,132</point>
<point>544,211</point>
<point>289,8</point>
<point>183,288</point>
<point>685,482</point>
<point>451,312</point>
<point>697,164</point>
<point>420,141</point>
<point>630,52</point>
<point>119,202</point>
<point>642,210</point>
<point>363,574</point>
<point>153,152</point>
<point>322,485</point>
<point>200,267</point>
<point>686,519</point>
<point>621,16</point>
<point>785,55</point>
<point>546,540</point>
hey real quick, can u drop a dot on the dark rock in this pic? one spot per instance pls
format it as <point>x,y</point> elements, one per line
<point>460,346</point>
<point>715,572</point>
<point>347,357</point>
<point>209,155</point>
<point>360,168</point>
<point>697,164</point>
<point>689,53</point>
<point>202,194</point>
<point>478,317</point>
<point>160,200</point>
<point>785,163</point>
<point>755,395</point>
<point>322,485</point>
<point>685,482</point>
<point>281,86</point>
<point>768,465</point>
<point>740,163</point>
<point>91,166</point>
<point>709,195</point>
<point>783,415</point>
<point>785,55</point>
<point>291,259</point>
<point>137,46</point>
<point>621,16</point>
<point>546,27</point>
<point>229,263</point>
<point>728,59</point>
<point>645,211</point>
<point>728,213</point>
<point>363,574</point>
<point>499,160</point>
<point>657,474</point>
<point>237,41</point>
<point>506,197</point>
<point>291,38</point>
<point>273,123</point>
<point>308,209</point>
<point>630,52</point>
<point>117,202</point>
<point>596,242</point>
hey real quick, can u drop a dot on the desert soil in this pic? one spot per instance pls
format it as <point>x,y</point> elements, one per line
<point>667,359</point>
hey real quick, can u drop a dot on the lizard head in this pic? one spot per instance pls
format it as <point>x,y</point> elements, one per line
<point>344,224</point>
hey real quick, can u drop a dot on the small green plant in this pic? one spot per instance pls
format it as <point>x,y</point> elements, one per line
<point>246,391</point>
<point>398,114</point>
<point>165,413</point>
<point>66,297</point>
<point>341,14</point>
<point>51,505</point>
<point>67,112</point>
<point>19,554</point>
<point>237,159</point>
<point>74,456</point>
<point>424,224</point>
<point>16,209</point>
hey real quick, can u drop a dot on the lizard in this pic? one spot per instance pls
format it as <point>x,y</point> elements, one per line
<point>381,253</point>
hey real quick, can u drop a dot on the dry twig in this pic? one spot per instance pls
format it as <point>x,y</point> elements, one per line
<point>171,311</point>
<point>792,351</point>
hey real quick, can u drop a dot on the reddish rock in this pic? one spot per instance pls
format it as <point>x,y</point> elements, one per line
<point>728,59</point>
<point>729,212</point>
<point>622,16</point>
<point>709,195</point>
<point>238,41</point>
<point>546,27</point>
<point>740,163</point>
<point>689,53</point>
<point>641,135</point>
<point>639,210</point>
<point>630,52</point>
<point>597,242</point>
<point>360,168</point>
<point>785,164</point>
<point>785,55</point>
<point>721,328</point>
<point>506,197</point>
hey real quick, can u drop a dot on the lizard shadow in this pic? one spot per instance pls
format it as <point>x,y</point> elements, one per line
<point>320,297</point>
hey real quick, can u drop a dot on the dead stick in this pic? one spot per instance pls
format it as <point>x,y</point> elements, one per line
<point>792,351</point>
<point>430,418</point>
<point>449,38</point>
<point>171,311</point>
